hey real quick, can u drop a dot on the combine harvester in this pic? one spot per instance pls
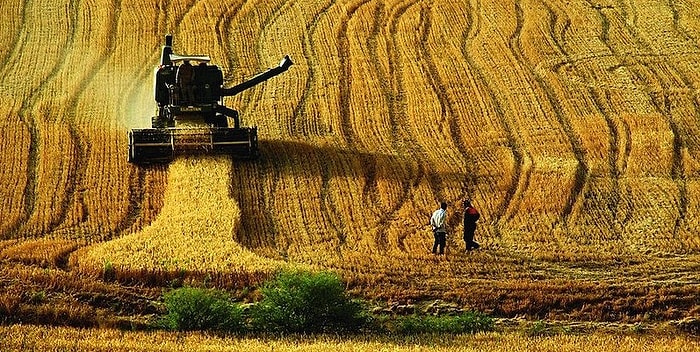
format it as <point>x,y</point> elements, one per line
<point>192,118</point>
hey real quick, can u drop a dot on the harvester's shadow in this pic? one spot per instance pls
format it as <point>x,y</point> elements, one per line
<point>255,185</point>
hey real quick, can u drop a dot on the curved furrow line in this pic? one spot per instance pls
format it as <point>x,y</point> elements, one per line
<point>625,156</point>
<point>402,141</point>
<point>474,24</point>
<point>521,175</point>
<point>616,153</point>
<point>223,24</point>
<point>370,191</point>
<point>687,11</point>
<point>259,228</point>
<point>676,23</point>
<point>223,27</point>
<point>582,169</point>
<point>299,111</point>
<point>140,177</point>
<point>329,209</point>
<point>266,170</point>
<point>137,194</point>
<point>347,132</point>
<point>302,125</point>
<point>257,94</point>
<point>345,76</point>
<point>325,227</point>
<point>191,6</point>
<point>30,196</point>
<point>688,82</point>
<point>447,109</point>
<point>663,106</point>
<point>620,166</point>
<point>82,146</point>
<point>14,48</point>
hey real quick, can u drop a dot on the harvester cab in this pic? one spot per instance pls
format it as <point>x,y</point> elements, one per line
<point>192,118</point>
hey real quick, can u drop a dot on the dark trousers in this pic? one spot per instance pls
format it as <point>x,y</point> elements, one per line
<point>469,237</point>
<point>440,239</point>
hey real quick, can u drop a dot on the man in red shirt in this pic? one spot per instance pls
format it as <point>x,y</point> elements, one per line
<point>471,216</point>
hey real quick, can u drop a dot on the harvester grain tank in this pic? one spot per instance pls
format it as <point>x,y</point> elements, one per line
<point>192,118</point>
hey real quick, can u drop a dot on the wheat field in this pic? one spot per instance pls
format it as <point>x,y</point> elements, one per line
<point>23,338</point>
<point>572,125</point>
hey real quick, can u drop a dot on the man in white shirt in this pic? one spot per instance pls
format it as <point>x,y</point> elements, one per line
<point>437,221</point>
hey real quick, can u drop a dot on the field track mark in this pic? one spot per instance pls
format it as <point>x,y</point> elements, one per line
<point>299,111</point>
<point>246,234</point>
<point>396,102</point>
<point>140,176</point>
<point>683,135</point>
<point>369,193</point>
<point>22,226</point>
<point>82,146</point>
<point>663,106</point>
<point>233,60</point>
<point>676,23</point>
<point>519,175</point>
<point>137,192</point>
<point>447,110</point>
<point>15,47</point>
<point>623,159</point>
<point>345,76</point>
<point>222,24</point>
<point>261,57</point>
<point>582,170</point>
<point>329,210</point>
<point>258,228</point>
<point>614,141</point>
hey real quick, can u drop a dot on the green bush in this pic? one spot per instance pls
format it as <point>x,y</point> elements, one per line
<point>469,322</point>
<point>306,302</point>
<point>192,308</point>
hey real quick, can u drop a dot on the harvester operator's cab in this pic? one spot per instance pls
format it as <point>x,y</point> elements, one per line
<point>191,115</point>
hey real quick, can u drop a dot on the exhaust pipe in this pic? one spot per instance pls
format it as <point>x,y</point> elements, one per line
<point>167,50</point>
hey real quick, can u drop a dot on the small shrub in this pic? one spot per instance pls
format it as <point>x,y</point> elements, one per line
<point>469,322</point>
<point>108,273</point>
<point>201,309</point>
<point>37,297</point>
<point>306,302</point>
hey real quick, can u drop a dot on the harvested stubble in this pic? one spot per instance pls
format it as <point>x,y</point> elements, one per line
<point>191,237</point>
<point>27,337</point>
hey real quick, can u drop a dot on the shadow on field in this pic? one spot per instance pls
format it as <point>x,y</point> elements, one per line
<point>313,169</point>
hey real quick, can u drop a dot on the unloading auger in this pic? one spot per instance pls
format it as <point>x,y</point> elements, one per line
<point>192,118</point>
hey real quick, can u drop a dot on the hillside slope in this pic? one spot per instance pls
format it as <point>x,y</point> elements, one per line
<point>574,127</point>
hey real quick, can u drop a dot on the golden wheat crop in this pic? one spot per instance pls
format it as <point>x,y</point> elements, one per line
<point>192,233</point>
<point>27,337</point>
<point>572,125</point>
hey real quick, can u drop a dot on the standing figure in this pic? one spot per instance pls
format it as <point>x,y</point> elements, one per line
<point>185,78</point>
<point>437,221</point>
<point>471,216</point>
